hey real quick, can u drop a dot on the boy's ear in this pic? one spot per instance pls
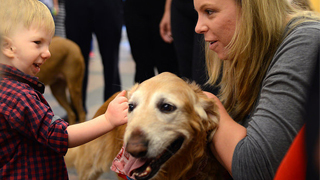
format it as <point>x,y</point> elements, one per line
<point>6,47</point>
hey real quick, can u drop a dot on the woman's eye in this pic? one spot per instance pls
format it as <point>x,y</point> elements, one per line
<point>209,12</point>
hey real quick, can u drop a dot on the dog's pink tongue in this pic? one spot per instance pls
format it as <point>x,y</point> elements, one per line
<point>124,163</point>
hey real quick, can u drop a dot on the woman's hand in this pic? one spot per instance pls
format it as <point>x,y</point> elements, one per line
<point>227,136</point>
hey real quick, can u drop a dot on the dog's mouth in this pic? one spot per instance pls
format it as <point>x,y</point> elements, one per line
<point>152,165</point>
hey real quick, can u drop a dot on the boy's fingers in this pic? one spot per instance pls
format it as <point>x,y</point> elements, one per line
<point>123,106</point>
<point>122,93</point>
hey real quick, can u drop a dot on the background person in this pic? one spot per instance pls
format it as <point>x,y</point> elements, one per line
<point>149,51</point>
<point>177,26</point>
<point>104,18</point>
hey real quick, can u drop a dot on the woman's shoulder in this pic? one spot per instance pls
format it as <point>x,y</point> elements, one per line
<point>301,42</point>
<point>300,25</point>
<point>298,52</point>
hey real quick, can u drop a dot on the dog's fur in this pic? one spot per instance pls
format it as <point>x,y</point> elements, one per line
<point>161,110</point>
<point>65,70</point>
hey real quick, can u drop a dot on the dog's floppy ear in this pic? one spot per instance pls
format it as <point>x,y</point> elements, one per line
<point>213,116</point>
<point>207,110</point>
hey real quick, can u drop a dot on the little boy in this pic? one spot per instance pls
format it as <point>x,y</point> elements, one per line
<point>32,140</point>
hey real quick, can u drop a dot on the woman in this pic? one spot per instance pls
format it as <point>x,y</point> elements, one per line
<point>267,52</point>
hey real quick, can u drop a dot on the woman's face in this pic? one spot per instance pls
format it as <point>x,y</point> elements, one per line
<point>217,21</point>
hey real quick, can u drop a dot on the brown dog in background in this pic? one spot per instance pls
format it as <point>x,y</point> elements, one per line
<point>170,123</point>
<point>65,70</point>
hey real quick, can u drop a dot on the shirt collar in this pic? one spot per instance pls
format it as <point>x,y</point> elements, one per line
<point>16,74</point>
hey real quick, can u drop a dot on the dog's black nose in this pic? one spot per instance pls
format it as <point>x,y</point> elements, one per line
<point>137,144</point>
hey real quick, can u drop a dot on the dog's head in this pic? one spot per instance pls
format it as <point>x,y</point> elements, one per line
<point>169,119</point>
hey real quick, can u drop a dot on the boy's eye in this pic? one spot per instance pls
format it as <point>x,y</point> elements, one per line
<point>37,42</point>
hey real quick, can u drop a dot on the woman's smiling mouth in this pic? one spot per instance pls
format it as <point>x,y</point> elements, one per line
<point>212,45</point>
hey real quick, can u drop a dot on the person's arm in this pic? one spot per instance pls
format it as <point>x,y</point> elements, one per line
<point>56,7</point>
<point>165,24</point>
<point>115,115</point>
<point>227,136</point>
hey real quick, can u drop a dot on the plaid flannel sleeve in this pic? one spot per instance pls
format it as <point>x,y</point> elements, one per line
<point>32,118</point>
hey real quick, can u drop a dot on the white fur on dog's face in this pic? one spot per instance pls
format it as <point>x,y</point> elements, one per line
<point>160,128</point>
<point>160,109</point>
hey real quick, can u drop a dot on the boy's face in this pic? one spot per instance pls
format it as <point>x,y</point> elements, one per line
<point>30,48</point>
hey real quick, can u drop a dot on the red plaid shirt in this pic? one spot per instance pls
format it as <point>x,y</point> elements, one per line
<point>32,140</point>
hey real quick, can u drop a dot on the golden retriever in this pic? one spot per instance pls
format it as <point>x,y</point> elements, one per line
<point>65,70</point>
<point>170,123</point>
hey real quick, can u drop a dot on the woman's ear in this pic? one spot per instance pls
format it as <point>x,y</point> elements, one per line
<point>6,47</point>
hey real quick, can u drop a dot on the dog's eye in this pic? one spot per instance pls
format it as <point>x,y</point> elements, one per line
<point>131,107</point>
<point>166,108</point>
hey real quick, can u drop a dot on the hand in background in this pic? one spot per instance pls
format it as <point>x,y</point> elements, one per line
<point>165,28</point>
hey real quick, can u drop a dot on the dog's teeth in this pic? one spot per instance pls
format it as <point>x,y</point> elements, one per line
<point>144,173</point>
<point>148,170</point>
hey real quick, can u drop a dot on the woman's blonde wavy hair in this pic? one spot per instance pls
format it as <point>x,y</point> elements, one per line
<point>302,4</point>
<point>27,12</point>
<point>258,34</point>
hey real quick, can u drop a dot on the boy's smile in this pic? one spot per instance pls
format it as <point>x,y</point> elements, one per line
<point>30,48</point>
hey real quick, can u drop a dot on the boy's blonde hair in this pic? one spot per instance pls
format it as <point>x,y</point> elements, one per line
<point>27,12</point>
<point>258,34</point>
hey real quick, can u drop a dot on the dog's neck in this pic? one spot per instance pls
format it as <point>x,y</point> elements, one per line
<point>202,164</point>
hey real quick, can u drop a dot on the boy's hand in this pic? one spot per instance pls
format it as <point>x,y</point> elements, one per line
<point>117,111</point>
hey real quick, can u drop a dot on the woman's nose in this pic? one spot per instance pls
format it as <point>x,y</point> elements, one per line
<point>200,27</point>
